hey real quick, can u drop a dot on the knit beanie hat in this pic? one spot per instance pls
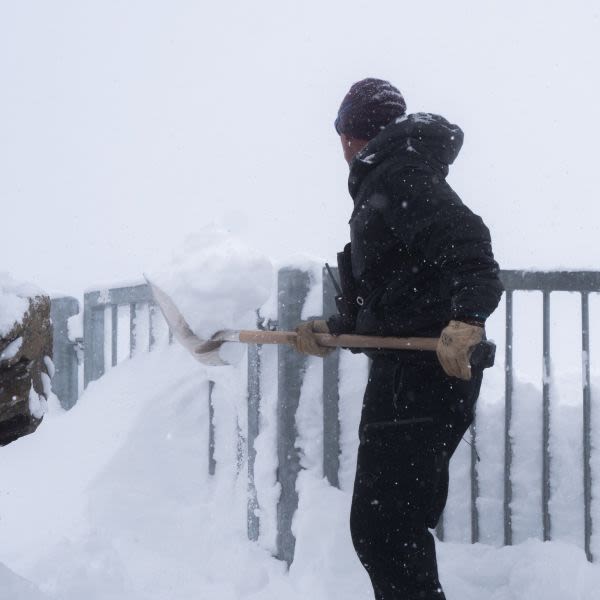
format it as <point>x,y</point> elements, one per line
<point>368,107</point>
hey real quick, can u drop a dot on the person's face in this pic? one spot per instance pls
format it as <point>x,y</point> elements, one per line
<point>351,147</point>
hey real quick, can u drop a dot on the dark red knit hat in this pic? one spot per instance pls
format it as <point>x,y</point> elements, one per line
<point>368,107</point>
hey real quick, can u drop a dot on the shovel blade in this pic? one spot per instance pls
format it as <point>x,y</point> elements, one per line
<point>204,351</point>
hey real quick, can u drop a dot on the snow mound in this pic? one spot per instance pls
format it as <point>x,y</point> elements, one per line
<point>217,282</point>
<point>16,588</point>
<point>532,570</point>
<point>14,301</point>
<point>112,501</point>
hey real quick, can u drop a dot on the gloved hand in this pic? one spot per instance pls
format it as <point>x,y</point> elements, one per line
<point>306,342</point>
<point>455,346</point>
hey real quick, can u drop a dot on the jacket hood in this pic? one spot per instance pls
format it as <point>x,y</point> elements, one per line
<point>417,140</point>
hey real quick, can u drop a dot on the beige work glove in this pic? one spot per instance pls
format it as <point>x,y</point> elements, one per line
<point>455,347</point>
<point>306,342</point>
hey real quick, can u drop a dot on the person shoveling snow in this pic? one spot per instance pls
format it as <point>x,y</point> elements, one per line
<point>418,276</point>
<point>419,263</point>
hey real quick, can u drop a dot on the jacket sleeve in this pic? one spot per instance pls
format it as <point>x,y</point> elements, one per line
<point>435,224</point>
<point>345,320</point>
<point>459,243</point>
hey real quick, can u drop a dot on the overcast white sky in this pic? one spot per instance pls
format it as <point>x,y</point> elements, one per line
<point>126,125</point>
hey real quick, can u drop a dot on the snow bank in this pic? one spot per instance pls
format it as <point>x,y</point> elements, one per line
<point>532,570</point>
<point>16,588</point>
<point>217,282</point>
<point>14,301</point>
<point>112,501</point>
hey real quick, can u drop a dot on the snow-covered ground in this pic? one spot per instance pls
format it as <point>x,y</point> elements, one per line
<point>17,588</point>
<point>113,501</point>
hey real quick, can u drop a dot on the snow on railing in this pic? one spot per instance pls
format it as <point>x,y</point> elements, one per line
<point>121,321</point>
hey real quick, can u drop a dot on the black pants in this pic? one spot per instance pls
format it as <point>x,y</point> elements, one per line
<point>413,418</point>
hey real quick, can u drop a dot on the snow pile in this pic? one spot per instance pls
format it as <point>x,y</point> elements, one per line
<point>217,282</point>
<point>17,588</point>
<point>532,570</point>
<point>14,301</point>
<point>112,501</point>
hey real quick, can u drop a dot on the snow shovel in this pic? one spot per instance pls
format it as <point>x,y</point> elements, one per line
<point>207,351</point>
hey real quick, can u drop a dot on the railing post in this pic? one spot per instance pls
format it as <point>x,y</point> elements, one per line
<point>546,420</point>
<point>254,392</point>
<point>212,463</point>
<point>132,329</point>
<point>151,326</point>
<point>331,396</point>
<point>439,528</point>
<point>508,391</point>
<point>93,335</point>
<point>66,366</point>
<point>114,337</point>
<point>587,422</point>
<point>293,287</point>
<point>474,485</point>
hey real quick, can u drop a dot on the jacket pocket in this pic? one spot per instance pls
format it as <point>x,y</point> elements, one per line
<point>368,319</point>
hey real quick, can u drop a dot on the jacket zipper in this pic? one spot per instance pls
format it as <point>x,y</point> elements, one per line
<point>399,422</point>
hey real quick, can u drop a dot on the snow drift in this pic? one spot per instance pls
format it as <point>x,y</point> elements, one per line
<point>216,281</point>
<point>17,588</point>
<point>113,500</point>
<point>130,512</point>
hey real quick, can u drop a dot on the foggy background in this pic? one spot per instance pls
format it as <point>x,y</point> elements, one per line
<point>127,125</point>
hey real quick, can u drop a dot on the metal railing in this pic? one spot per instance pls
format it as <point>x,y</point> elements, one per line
<point>65,382</point>
<point>293,289</point>
<point>95,306</point>
<point>584,283</point>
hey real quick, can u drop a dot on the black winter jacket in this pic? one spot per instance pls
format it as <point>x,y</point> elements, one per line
<point>418,257</point>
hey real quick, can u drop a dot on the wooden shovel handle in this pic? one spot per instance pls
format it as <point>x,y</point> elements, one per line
<point>345,340</point>
<point>482,355</point>
<point>267,337</point>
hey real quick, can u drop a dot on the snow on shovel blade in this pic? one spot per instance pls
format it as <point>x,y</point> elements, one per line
<point>204,351</point>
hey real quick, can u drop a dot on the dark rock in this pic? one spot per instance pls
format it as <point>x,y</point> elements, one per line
<point>25,354</point>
